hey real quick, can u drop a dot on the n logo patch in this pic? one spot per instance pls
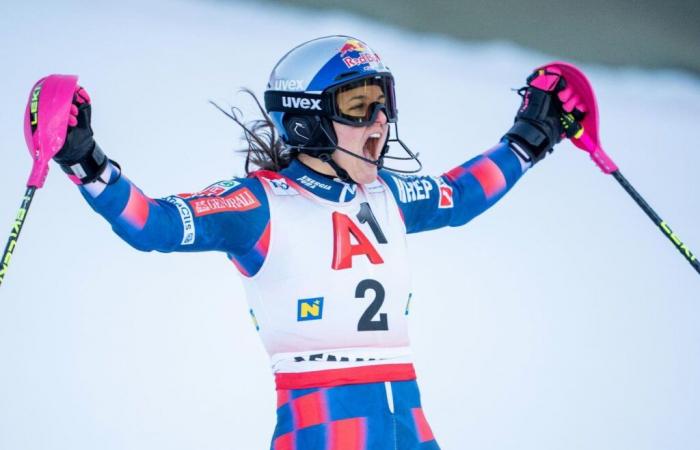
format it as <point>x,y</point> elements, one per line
<point>309,309</point>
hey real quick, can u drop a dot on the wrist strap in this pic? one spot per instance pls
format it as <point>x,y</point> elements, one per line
<point>530,140</point>
<point>88,168</point>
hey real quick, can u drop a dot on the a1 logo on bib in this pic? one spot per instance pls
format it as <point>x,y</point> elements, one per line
<point>345,231</point>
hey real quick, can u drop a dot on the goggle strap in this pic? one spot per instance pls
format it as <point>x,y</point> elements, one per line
<point>297,103</point>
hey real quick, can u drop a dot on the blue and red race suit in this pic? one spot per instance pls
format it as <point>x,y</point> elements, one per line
<point>324,266</point>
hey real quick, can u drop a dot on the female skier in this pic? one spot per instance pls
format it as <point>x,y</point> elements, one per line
<point>318,233</point>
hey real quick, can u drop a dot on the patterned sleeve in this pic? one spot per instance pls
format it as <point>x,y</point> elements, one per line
<point>230,216</point>
<point>459,195</point>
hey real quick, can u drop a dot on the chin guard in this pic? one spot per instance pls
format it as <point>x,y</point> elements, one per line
<point>324,154</point>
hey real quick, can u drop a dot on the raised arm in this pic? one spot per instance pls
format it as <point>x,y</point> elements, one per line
<point>228,216</point>
<point>231,216</point>
<point>457,196</point>
<point>547,113</point>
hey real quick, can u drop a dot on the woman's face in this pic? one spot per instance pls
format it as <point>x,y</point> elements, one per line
<point>367,141</point>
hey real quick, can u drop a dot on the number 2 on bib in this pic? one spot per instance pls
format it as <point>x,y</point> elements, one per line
<point>367,321</point>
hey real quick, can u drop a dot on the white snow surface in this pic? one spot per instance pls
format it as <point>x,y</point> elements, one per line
<point>560,318</point>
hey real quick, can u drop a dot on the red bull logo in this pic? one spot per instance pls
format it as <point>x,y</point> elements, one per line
<point>352,45</point>
<point>355,46</point>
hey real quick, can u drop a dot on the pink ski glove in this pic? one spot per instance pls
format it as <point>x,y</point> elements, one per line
<point>550,79</point>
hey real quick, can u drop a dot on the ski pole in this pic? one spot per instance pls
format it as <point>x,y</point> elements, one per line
<point>16,229</point>
<point>45,127</point>
<point>587,140</point>
<point>663,226</point>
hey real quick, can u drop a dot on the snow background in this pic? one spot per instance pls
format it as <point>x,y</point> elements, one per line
<point>561,318</point>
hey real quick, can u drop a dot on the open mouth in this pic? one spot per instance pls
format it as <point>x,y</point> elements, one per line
<point>371,149</point>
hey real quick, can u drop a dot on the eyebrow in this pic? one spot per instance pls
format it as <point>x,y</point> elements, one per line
<point>360,97</point>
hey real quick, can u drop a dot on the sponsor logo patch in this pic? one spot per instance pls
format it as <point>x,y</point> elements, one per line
<point>445,194</point>
<point>215,189</point>
<point>34,108</point>
<point>313,184</point>
<point>188,232</point>
<point>348,190</point>
<point>413,189</point>
<point>241,200</point>
<point>352,45</point>
<point>309,309</point>
<point>288,85</point>
<point>279,186</point>
<point>363,57</point>
<point>301,103</point>
<point>333,358</point>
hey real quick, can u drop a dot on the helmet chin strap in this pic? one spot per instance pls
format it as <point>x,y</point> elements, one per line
<point>324,154</point>
<point>342,174</point>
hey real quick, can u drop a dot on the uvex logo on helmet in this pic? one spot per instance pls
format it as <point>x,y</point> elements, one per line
<point>288,85</point>
<point>301,103</point>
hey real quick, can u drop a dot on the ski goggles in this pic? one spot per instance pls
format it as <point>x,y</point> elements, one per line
<point>356,103</point>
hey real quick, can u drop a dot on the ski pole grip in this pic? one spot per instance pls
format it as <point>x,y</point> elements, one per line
<point>598,155</point>
<point>46,122</point>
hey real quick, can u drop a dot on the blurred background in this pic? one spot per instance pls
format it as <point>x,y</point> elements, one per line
<point>560,318</point>
<point>622,32</point>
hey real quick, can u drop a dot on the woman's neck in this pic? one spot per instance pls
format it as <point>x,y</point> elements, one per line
<point>316,165</point>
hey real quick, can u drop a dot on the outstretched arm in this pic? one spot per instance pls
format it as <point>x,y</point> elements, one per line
<point>230,216</point>
<point>459,195</point>
<point>548,112</point>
